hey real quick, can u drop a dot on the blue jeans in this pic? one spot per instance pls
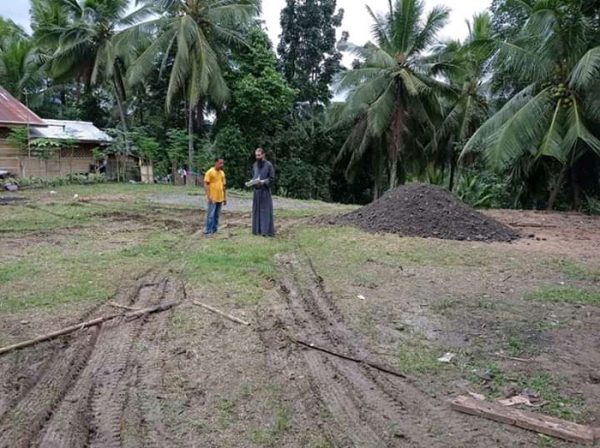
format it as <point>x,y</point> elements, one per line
<point>213,211</point>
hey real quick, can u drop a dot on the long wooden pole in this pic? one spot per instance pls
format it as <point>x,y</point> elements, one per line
<point>347,358</point>
<point>82,325</point>
<point>221,313</point>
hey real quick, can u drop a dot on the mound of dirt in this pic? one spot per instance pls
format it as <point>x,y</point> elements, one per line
<point>427,211</point>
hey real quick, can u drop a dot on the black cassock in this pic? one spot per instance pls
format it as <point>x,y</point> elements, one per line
<point>262,204</point>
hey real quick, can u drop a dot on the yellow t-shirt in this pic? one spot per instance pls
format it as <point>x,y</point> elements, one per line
<point>216,184</point>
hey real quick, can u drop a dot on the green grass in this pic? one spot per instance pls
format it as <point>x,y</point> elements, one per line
<point>16,219</point>
<point>516,346</point>
<point>574,270</point>
<point>227,412</point>
<point>357,249</point>
<point>56,280</point>
<point>159,246</point>
<point>76,272</point>
<point>444,305</point>
<point>569,408</point>
<point>566,294</point>
<point>417,357</point>
<point>543,384</point>
<point>236,266</point>
<point>16,270</point>
<point>271,435</point>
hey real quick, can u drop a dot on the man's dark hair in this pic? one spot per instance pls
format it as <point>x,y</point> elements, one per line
<point>261,150</point>
<point>219,158</point>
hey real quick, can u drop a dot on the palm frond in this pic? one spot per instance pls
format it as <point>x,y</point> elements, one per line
<point>136,17</point>
<point>522,133</point>
<point>436,20</point>
<point>586,71</point>
<point>405,24</point>
<point>352,78</point>
<point>365,94</point>
<point>495,123</point>
<point>377,57</point>
<point>411,83</point>
<point>579,131</point>
<point>144,64</point>
<point>379,29</point>
<point>381,111</point>
<point>552,145</point>
<point>234,14</point>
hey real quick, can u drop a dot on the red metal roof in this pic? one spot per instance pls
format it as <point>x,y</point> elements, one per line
<point>13,112</point>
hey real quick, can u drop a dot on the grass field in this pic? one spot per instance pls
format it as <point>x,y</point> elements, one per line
<point>520,316</point>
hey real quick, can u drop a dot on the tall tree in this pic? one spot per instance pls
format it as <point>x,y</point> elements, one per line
<point>552,120</point>
<point>20,61</point>
<point>261,101</point>
<point>390,96</point>
<point>309,58</point>
<point>198,34</point>
<point>82,38</point>
<point>464,66</point>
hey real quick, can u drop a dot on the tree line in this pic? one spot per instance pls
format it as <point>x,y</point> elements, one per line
<point>507,117</point>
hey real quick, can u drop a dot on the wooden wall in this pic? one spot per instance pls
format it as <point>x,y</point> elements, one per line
<point>62,163</point>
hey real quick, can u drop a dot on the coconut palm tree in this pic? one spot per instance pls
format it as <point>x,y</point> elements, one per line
<point>197,36</point>
<point>464,66</point>
<point>390,93</point>
<point>81,37</point>
<point>552,119</point>
<point>19,61</point>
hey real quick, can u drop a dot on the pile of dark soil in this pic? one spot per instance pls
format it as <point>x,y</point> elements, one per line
<point>427,211</point>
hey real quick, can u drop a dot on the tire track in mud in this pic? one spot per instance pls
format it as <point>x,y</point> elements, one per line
<point>145,427</point>
<point>82,396</point>
<point>368,407</point>
<point>27,368</point>
<point>21,423</point>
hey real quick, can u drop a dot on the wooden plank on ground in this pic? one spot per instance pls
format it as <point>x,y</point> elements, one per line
<point>539,423</point>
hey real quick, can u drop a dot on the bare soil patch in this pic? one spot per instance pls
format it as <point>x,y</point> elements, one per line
<point>79,394</point>
<point>11,200</point>
<point>553,233</point>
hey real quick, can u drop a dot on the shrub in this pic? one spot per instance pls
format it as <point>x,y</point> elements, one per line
<point>70,179</point>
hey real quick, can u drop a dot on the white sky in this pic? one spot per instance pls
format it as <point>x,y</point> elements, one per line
<point>356,20</point>
<point>358,23</point>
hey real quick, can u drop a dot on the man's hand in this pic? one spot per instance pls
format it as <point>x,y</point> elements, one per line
<point>208,200</point>
<point>225,202</point>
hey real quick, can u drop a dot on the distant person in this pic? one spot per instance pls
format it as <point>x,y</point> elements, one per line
<point>103,166</point>
<point>216,195</point>
<point>263,176</point>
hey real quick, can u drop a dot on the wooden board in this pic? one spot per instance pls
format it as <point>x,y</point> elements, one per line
<point>539,423</point>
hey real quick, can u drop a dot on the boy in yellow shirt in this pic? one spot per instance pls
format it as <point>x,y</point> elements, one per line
<point>216,195</point>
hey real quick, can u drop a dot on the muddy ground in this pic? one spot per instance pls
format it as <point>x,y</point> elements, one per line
<point>517,316</point>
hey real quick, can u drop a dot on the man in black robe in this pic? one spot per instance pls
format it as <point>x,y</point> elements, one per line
<point>263,176</point>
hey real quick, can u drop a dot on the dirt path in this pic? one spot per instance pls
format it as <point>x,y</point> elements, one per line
<point>86,393</point>
<point>366,407</point>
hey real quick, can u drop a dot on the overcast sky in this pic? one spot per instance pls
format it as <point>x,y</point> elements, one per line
<point>356,21</point>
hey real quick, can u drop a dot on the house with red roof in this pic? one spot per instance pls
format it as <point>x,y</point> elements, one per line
<point>75,142</point>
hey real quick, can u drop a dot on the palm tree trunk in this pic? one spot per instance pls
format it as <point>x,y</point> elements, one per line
<point>452,172</point>
<point>190,139</point>
<point>393,173</point>
<point>557,187</point>
<point>396,142</point>
<point>121,107</point>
